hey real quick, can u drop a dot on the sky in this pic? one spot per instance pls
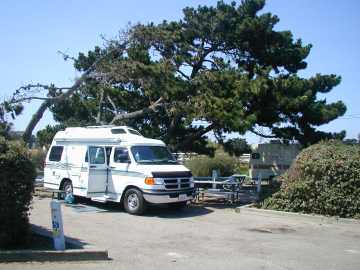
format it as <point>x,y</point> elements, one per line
<point>32,32</point>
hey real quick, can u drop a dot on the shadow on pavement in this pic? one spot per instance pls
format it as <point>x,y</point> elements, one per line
<point>201,208</point>
<point>84,205</point>
<point>71,242</point>
<point>164,211</point>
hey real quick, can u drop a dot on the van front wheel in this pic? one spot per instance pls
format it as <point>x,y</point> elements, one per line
<point>134,202</point>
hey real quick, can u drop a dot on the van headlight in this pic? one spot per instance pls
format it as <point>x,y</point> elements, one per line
<point>159,181</point>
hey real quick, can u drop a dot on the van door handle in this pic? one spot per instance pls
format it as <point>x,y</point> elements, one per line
<point>112,167</point>
<point>92,166</point>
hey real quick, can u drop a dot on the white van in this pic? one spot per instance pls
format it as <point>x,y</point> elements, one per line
<point>116,163</point>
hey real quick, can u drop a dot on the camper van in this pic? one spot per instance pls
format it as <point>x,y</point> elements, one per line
<point>118,164</point>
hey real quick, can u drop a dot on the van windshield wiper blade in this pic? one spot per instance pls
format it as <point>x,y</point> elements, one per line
<point>157,161</point>
<point>165,160</point>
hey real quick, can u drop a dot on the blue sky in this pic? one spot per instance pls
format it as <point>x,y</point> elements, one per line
<point>33,31</point>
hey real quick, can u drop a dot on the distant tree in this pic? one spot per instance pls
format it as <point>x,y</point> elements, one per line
<point>45,136</point>
<point>350,141</point>
<point>5,125</point>
<point>224,65</point>
<point>5,130</point>
<point>237,147</point>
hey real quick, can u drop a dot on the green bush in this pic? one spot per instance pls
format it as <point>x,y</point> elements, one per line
<point>324,179</point>
<point>17,175</point>
<point>204,165</point>
<point>38,158</point>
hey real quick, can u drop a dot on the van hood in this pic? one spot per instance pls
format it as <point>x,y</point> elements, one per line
<point>148,169</point>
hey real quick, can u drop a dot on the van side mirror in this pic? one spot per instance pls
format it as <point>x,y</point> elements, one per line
<point>123,158</point>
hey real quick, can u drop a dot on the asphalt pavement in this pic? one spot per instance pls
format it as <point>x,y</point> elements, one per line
<point>203,237</point>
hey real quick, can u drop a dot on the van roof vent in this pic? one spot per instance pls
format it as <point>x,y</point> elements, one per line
<point>118,131</point>
<point>103,126</point>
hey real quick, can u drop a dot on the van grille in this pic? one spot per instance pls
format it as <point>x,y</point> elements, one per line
<point>178,183</point>
<point>174,180</point>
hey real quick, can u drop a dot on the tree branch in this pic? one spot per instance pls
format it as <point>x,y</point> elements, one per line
<point>66,56</point>
<point>112,103</point>
<point>261,134</point>
<point>188,140</point>
<point>183,74</point>
<point>98,117</point>
<point>138,113</point>
<point>78,82</point>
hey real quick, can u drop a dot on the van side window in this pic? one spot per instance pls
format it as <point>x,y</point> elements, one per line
<point>96,155</point>
<point>55,153</point>
<point>121,155</point>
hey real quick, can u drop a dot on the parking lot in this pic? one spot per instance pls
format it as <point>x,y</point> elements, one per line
<point>203,237</point>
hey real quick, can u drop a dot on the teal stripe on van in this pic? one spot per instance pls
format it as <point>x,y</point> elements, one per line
<point>127,173</point>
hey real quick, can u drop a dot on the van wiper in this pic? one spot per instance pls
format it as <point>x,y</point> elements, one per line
<point>165,160</point>
<point>145,161</point>
<point>157,161</point>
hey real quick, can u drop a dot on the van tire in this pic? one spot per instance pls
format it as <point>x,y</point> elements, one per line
<point>134,202</point>
<point>67,186</point>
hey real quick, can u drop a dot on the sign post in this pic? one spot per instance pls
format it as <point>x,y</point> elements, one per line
<point>258,186</point>
<point>213,178</point>
<point>57,225</point>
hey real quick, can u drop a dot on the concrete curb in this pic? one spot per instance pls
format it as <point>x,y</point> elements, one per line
<point>250,209</point>
<point>52,255</point>
<point>84,253</point>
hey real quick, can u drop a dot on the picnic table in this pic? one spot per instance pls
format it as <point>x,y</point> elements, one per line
<point>230,187</point>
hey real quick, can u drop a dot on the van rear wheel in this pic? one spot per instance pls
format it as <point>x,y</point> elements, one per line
<point>134,202</point>
<point>67,189</point>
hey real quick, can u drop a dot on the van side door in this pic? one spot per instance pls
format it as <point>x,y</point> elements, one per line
<point>119,169</point>
<point>97,171</point>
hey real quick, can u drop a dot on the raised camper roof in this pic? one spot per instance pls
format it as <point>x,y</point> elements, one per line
<point>103,134</point>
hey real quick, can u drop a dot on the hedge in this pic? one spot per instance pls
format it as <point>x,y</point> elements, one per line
<point>204,165</point>
<point>17,174</point>
<point>324,179</point>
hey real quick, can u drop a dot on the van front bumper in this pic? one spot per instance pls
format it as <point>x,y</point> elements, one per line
<point>164,196</point>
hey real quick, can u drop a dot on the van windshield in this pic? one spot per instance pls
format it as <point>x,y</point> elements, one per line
<point>146,154</point>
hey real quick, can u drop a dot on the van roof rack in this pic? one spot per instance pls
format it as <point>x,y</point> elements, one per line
<point>104,126</point>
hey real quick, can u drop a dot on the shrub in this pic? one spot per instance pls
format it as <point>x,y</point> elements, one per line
<point>204,165</point>
<point>17,175</point>
<point>38,156</point>
<point>324,179</point>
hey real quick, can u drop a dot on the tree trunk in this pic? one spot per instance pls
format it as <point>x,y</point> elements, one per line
<point>34,120</point>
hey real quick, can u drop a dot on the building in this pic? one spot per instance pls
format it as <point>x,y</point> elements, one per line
<point>271,159</point>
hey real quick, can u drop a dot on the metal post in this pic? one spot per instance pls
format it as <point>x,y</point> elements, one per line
<point>214,176</point>
<point>57,225</point>
<point>258,186</point>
